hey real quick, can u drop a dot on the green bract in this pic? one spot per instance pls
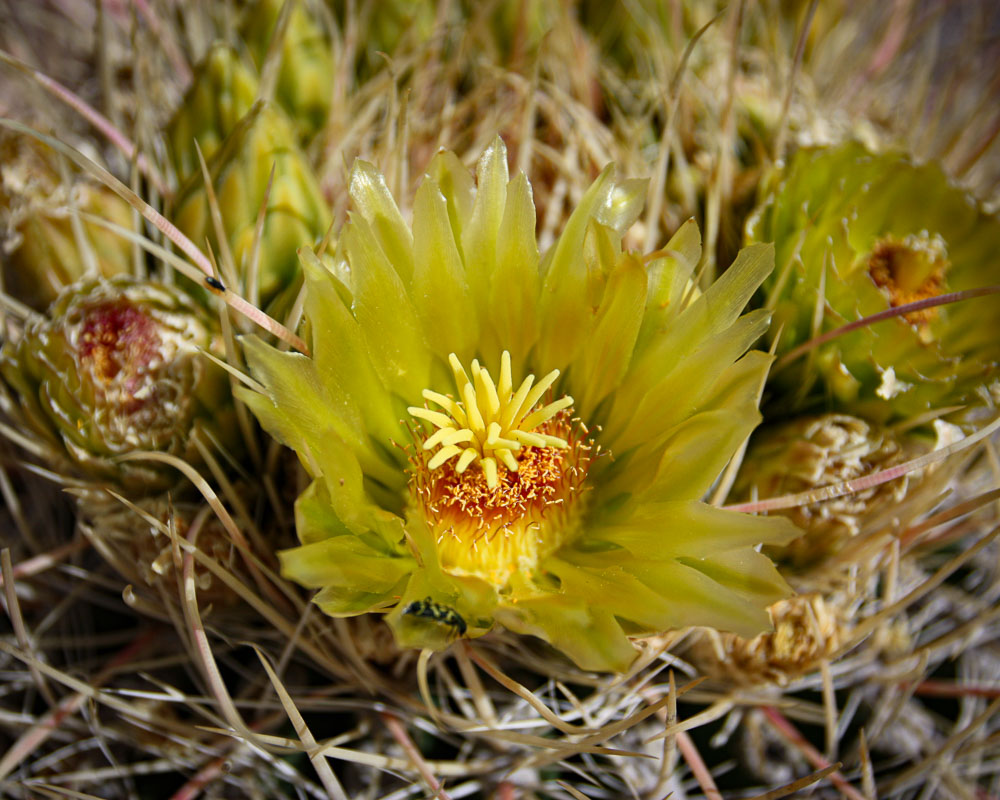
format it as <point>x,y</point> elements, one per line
<point>118,367</point>
<point>588,525</point>
<point>221,94</point>
<point>44,249</point>
<point>863,232</point>
<point>305,77</point>
<point>296,213</point>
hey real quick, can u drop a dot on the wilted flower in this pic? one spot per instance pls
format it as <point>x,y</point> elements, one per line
<point>240,171</point>
<point>856,234</point>
<point>117,367</point>
<point>816,451</point>
<point>808,629</point>
<point>566,506</point>
<point>140,543</point>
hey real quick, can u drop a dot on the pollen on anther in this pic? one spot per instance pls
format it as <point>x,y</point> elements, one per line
<point>491,422</point>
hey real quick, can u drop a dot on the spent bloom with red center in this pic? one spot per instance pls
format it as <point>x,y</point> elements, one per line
<point>499,438</point>
<point>118,367</point>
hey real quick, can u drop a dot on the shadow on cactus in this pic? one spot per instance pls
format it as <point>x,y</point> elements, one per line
<point>499,438</point>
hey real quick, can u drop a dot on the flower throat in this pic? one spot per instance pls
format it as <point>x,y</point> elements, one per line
<point>499,480</point>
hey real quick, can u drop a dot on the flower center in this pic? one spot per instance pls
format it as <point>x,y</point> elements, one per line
<point>492,422</point>
<point>509,495</point>
<point>909,270</point>
<point>120,345</point>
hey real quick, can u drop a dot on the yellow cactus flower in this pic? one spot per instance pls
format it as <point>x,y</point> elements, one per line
<point>454,490</point>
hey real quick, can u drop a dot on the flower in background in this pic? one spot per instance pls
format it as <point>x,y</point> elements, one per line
<point>306,72</point>
<point>496,437</point>
<point>855,234</point>
<point>119,367</point>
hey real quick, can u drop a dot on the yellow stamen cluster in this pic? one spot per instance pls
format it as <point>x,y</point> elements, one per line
<point>490,422</point>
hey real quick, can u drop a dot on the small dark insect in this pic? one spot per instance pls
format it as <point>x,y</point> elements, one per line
<point>446,615</point>
<point>214,283</point>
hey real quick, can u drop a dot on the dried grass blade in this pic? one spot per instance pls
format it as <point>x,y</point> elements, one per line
<point>106,127</point>
<point>212,498</point>
<point>167,228</point>
<point>413,753</point>
<point>694,760</point>
<point>792,735</point>
<point>330,782</point>
<point>914,773</point>
<point>895,311</point>
<point>35,736</point>
<point>17,622</point>
<point>798,785</point>
<point>866,626</point>
<point>45,561</point>
<point>509,683</point>
<point>657,189</point>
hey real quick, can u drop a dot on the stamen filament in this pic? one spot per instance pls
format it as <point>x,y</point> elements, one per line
<point>506,385</point>
<point>535,394</point>
<point>447,404</point>
<point>529,439</point>
<point>490,470</point>
<point>469,455</point>
<point>507,418</point>
<point>472,412</point>
<point>486,390</point>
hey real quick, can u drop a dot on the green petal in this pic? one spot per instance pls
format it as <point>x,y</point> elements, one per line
<point>295,388</point>
<point>340,354</point>
<point>669,278</point>
<point>685,463</point>
<point>445,604</point>
<point>710,314</point>
<point>315,519</point>
<point>393,334</point>
<point>690,460</point>
<point>589,635</point>
<point>623,205</point>
<point>342,602</point>
<point>372,198</point>
<point>308,420</point>
<point>514,292</point>
<point>565,287</point>
<point>685,596</point>
<point>455,182</point>
<point>345,562</point>
<point>728,296</point>
<point>669,400</point>
<point>609,346</point>
<point>746,572</point>
<point>688,529</point>
<point>440,291</point>
<point>481,239</point>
